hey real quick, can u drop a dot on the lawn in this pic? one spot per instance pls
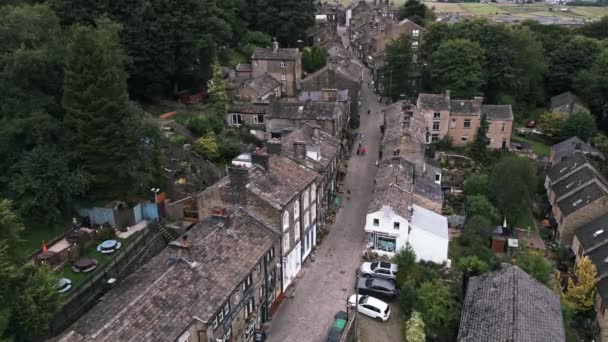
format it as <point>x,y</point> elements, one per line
<point>482,9</point>
<point>539,148</point>
<point>35,233</point>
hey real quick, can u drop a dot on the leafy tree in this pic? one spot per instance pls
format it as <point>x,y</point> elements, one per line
<point>407,297</point>
<point>405,259</point>
<point>307,60</point>
<point>44,185</point>
<point>458,65</point>
<point>415,11</point>
<point>104,129</point>
<point>535,265</point>
<point>513,184</point>
<point>287,20</point>
<point>478,205</point>
<point>414,328</point>
<point>438,308</point>
<point>592,86</point>
<point>318,57</point>
<point>205,123</point>
<point>11,225</point>
<point>479,148</point>
<point>207,146</point>
<point>229,147</point>
<point>217,91</point>
<point>9,275</point>
<point>479,227</point>
<point>580,124</point>
<point>550,124</point>
<point>476,184</point>
<point>596,29</point>
<point>472,266</point>
<point>578,53</point>
<point>397,70</point>
<point>36,303</point>
<point>600,141</point>
<point>580,291</point>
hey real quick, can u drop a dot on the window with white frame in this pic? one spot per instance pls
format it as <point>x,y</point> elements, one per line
<point>306,220</point>
<point>282,65</point>
<point>467,123</point>
<point>185,337</point>
<point>434,137</point>
<point>437,115</point>
<point>435,125</point>
<point>453,123</point>
<point>285,242</point>
<point>283,78</point>
<point>503,127</point>
<point>414,45</point>
<point>305,199</point>
<point>296,231</point>
<point>285,220</point>
<point>247,282</point>
<point>258,119</point>
<point>464,138</point>
<point>415,33</point>
<point>313,190</point>
<point>249,308</point>
<point>215,323</point>
<point>396,225</point>
<point>261,293</point>
<point>313,212</point>
<point>236,119</point>
<point>296,210</point>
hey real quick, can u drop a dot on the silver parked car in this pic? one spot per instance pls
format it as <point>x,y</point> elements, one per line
<point>382,270</point>
<point>377,287</point>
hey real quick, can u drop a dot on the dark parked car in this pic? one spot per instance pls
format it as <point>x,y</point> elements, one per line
<point>377,288</point>
<point>337,327</point>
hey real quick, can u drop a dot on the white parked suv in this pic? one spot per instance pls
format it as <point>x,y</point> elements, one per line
<point>370,306</point>
<point>382,270</point>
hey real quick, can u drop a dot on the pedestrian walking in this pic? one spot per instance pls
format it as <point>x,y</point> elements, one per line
<point>348,194</point>
<point>362,151</point>
<point>359,151</point>
<point>359,144</point>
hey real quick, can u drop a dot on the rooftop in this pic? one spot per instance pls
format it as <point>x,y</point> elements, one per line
<point>326,144</point>
<point>434,101</point>
<point>579,199</point>
<point>573,181</point>
<point>510,305</point>
<point>567,147</point>
<point>430,221</point>
<point>565,166</point>
<point>306,110</point>
<point>262,84</point>
<point>247,108</point>
<point>599,257</point>
<point>393,188</point>
<point>498,112</point>
<point>244,67</point>
<point>280,54</point>
<point>161,298</point>
<point>566,98</point>
<point>466,107</point>
<point>593,234</point>
<point>317,95</point>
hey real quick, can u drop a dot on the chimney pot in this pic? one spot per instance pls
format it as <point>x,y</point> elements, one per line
<point>447,94</point>
<point>299,150</point>
<point>239,177</point>
<point>275,46</point>
<point>261,158</point>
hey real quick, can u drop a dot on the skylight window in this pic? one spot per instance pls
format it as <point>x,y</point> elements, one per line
<point>598,233</point>
<point>577,202</point>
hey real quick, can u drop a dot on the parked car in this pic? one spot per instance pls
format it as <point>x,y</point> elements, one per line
<point>382,270</point>
<point>370,306</point>
<point>377,287</point>
<point>337,327</point>
<point>64,285</point>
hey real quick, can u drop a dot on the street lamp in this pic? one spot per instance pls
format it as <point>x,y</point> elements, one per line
<point>155,191</point>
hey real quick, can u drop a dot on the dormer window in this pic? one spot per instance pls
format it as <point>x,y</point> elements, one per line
<point>376,222</point>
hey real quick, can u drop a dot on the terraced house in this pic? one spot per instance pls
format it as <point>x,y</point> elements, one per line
<point>218,286</point>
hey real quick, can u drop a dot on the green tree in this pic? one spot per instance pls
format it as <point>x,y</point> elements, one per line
<point>405,259</point>
<point>472,266</point>
<point>287,20</point>
<point>11,225</point>
<point>478,205</point>
<point>592,86</point>
<point>415,11</point>
<point>414,328</point>
<point>398,68</point>
<point>307,60</point>
<point>407,297</point>
<point>104,129</point>
<point>577,53</point>
<point>207,146</point>
<point>479,148</point>
<point>458,65</point>
<point>476,184</point>
<point>580,289</point>
<point>535,265</point>
<point>9,275</point>
<point>513,183</point>
<point>479,227</point>
<point>596,29</point>
<point>550,124</point>
<point>36,303</point>
<point>318,57</point>
<point>581,124</point>
<point>438,308</point>
<point>44,184</point>
<point>217,91</point>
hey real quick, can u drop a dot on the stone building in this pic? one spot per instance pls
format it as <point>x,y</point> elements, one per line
<point>566,104</point>
<point>283,194</point>
<point>284,64</point>
<point>458,120</point>
<point>215,283</point>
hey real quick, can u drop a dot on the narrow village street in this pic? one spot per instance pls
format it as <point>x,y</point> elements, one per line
<point>328,282</point>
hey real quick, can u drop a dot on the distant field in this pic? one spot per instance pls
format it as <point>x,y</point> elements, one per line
<point>483,9</point>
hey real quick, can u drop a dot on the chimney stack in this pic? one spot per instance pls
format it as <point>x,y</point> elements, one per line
<point>329,95</point>
<point>221,217</point>
<point>331,76</point>
<point>261,158</point>
<point>315,132</point>
<point>447,95</point>
<point>299,150</point>
<point>237,189</point>
<point>275,45</point>
<point>273,147</point>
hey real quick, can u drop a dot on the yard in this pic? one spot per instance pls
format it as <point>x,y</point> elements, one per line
<point>539,148</point>
<point>35,233</point>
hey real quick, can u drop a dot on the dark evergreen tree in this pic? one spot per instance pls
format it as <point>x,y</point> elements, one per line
<point>287,20</point>
<point>479,148</point>
<point>104,130</point>
<point>398,67</point>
